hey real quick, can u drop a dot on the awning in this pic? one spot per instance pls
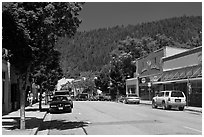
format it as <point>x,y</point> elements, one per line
<point>183,73</point>
<point>197,72</point>
<point>176,81</point>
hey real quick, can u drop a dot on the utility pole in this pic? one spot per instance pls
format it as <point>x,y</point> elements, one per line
<point>149,88</point>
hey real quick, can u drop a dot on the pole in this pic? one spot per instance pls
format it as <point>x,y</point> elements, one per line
<point>149,93</point>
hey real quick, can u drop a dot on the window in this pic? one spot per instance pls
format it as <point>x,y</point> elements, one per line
<point>176,94</point>
<point>3,89</point>
<point>3,85</point>
<point>167,94</point>
<point>3,75</point>
<point>161,94</point>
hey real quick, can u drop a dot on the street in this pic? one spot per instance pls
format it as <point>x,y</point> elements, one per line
<point>111,118</point>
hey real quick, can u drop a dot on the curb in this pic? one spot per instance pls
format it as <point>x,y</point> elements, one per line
<point>35,131</point>
<point>199,111</point>
<point>187,109</point>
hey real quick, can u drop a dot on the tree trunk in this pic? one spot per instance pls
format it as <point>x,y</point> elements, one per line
<point>46,97</point>
<point>23,83</point>
<point>22,104</point>
<point>40,99</point>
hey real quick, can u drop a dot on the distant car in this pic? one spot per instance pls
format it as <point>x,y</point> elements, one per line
<point>169,99</point>
<point>82,97</point>
<point>60,104</point>
<point>107,98</point>
<point>131,98</point>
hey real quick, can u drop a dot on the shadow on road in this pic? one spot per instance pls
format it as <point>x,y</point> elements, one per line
<point>37,109</point>
<point>62,125</point>
<point>172,109</point>
<point>12,123</point>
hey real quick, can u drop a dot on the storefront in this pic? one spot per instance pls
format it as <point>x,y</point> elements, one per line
<point>184,72</point>
<point>149,70</point>
<point>131,86</point>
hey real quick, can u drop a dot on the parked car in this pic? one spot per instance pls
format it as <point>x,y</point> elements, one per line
<point>121,99</point>
<point>100,98</point>
<point>170,99</point>
<point>107,98</point>
<point>60,104</point>
<point>83,97</point>
<point>131,98</point>
<point>64,93</point>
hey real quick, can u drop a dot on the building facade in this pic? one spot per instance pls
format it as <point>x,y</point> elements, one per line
<point>148,70</point>
<point>183,72</point>
<point>6,87</point>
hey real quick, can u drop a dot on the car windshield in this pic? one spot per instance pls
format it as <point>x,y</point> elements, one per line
<point>132,96</point>
<point>176,94</point>
<point>60,98</point>
<point>61,93</point>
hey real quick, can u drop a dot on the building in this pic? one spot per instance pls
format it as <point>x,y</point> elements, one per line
<point>148,70</point>
<point>183,72</point>
<point>10,92</point>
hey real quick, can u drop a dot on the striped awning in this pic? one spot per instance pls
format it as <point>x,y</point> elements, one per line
<point>183,73</point>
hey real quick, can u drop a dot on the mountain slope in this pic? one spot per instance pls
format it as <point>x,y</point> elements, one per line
<point>90,50</point>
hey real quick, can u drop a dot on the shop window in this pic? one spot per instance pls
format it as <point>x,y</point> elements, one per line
<point>199,84</point>
<point>193,84</point>
<point>3,85</point>
<point>3,75</point>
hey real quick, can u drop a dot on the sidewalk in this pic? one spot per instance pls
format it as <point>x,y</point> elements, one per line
<point>189,108</point>
<point>33,118</point>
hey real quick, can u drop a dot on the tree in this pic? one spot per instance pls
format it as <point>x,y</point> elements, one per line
<point>30,29</point>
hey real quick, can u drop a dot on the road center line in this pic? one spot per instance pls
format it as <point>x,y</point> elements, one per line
<point>193,129</point>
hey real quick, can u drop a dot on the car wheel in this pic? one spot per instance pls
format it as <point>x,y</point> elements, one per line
<point>154,104</point>
<point>164,105</point>
<point>181,108</point>
<point>70,111</point>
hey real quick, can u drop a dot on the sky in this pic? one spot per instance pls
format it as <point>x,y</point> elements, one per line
<point>96,15</point>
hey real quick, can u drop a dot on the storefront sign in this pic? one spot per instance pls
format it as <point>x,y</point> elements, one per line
<point>143,80</point>
<point>149,84</point>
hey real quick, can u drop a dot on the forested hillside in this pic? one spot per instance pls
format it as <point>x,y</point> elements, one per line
<point>91,50</point>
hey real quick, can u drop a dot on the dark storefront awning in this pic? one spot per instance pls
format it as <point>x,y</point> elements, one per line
<point>183,73</point>
<point>197,73</point>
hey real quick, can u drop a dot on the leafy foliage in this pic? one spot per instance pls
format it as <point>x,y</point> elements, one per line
<point>30,31</point>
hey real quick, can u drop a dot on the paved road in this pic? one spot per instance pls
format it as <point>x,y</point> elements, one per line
<point>110,118</point>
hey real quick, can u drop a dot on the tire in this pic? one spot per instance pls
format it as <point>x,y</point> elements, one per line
<point>181,108</point>
<point>124,102</point>
<point>154,104</point>
<point>70,111</point>
<point>164,105</point>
